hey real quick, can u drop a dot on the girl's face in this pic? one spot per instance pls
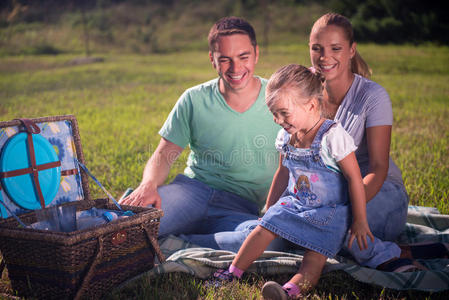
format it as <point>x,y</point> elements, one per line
<point>291,116</point>
<point>330,52</point>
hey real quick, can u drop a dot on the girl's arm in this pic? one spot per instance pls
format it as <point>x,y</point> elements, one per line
<point>278,185</point>
<point>359,228</point>
<point>378,139</point>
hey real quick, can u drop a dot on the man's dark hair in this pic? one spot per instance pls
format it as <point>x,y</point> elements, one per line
<point>229,26</point>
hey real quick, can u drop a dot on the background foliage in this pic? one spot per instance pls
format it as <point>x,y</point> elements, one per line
<point>397,21</point>
<point>155,26</point>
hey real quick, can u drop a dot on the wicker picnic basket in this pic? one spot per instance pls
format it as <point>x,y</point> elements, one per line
<point>84,263</point>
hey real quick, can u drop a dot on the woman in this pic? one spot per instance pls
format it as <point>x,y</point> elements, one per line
<point>363,108</point>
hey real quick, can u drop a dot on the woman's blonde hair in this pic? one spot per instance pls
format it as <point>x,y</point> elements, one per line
<point>358,65</point>
<point>295,82</point>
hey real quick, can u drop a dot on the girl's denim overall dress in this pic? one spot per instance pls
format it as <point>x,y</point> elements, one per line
<point>315,211</point>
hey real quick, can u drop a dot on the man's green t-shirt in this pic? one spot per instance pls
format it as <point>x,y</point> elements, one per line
<point>230,151</point>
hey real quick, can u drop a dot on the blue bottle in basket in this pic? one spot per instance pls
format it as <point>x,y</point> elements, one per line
<point>94,219</point>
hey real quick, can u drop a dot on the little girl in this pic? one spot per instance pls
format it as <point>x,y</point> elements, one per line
<point>317,169</point>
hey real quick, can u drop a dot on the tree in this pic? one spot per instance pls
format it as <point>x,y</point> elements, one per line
<point>396,21</point>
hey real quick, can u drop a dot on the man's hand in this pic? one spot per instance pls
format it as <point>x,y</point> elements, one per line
<point>143,195</point>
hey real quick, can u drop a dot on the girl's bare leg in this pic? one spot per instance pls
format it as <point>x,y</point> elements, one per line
<point>254,245</point>
<point>310,271</point>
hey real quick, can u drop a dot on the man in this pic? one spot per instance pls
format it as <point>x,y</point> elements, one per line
<point>231,137</point>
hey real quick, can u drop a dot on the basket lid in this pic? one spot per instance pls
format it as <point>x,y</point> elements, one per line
<point>21,189</point>
<point>58,143</point>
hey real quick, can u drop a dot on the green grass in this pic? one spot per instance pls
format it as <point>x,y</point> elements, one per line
<point>122,102</point>
<point>335,285</point>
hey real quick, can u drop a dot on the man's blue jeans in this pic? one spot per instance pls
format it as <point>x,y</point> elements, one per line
<point>207,217</point>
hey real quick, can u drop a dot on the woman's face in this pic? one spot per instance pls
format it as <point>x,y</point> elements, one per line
<point>330,52</point>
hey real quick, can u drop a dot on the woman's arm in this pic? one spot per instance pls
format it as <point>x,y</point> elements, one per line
<point>359,228</point>
<point>378,140</point>
<point>278,185</point>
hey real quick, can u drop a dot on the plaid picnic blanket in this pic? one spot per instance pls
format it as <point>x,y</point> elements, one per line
<point>424,224</point>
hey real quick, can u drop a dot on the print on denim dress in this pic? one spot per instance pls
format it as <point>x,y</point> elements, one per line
<point>303,191</point>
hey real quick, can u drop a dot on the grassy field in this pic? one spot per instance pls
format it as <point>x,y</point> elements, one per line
<point>121,103</point>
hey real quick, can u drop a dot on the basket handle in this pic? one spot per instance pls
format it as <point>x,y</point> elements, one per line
<point>86,170</point>
<point>30,126</point>
<point>10,211</point>
<point>154,244</point>
<point>2,266</point>
<point>91,270</point>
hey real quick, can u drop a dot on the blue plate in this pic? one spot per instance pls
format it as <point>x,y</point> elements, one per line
<point>3,213</point>
<point>20,189</point>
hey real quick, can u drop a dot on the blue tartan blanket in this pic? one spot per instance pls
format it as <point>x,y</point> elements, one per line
<point>424,224</point>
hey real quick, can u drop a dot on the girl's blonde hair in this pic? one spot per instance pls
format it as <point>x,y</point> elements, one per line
<point>358,65</point>
<point>296,82</point>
